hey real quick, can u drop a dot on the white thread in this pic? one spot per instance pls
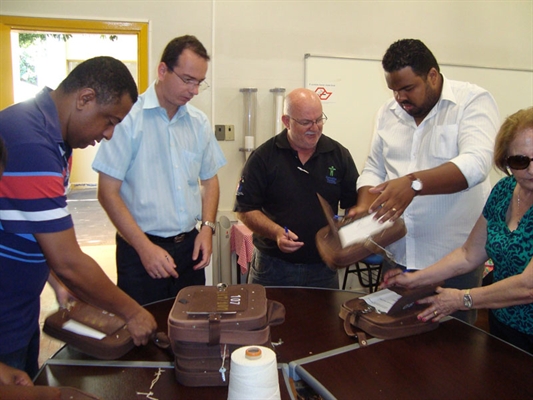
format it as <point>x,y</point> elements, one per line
<point>149,394</point>
<point>253,378</point>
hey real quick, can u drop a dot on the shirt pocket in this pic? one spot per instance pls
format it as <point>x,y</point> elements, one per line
<point>192,163</point>
<point>444,142</point>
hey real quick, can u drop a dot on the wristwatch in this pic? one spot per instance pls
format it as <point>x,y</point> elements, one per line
<point>467,299</point>
<point>416,184</point>
<point>210,224</point>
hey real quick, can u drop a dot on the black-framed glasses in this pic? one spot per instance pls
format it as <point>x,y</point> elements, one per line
<point>518,162</point>
<point>201,85</point>
<point>308,123</point>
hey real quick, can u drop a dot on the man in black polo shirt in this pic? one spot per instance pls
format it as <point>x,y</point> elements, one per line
<point>276,197</point>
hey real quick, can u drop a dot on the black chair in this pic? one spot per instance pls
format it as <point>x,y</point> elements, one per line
<point>368,272</point>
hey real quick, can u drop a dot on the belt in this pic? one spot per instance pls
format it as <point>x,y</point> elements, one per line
<point>172,239</point>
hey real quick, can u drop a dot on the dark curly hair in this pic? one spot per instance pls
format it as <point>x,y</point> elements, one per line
<point>409,53</point>
<point>107,76</point>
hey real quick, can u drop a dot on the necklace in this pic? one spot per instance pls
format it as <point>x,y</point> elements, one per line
<point>518,201</point>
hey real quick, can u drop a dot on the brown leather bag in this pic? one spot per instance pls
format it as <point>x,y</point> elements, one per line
<point>401,320</point>
<point>207,323</point>
<point>115,344</point>
<point>329,245</point>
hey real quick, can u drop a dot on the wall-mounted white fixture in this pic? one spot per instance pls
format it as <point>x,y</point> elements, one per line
<point>279,97</point>
<point>250,111</point>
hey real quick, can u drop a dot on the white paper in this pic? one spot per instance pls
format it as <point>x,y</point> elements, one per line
<point>382,300</point>
<point>361,229</point>
<point>84,330</point>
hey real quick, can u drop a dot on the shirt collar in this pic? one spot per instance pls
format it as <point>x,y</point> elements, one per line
<point>46,105</point>
<point>324,144</point>
<point>151,101</point>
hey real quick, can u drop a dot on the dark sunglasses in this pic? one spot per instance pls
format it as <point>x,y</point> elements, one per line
<point>518,162</point>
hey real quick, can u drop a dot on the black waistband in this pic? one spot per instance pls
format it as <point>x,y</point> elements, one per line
<point>172,239</point>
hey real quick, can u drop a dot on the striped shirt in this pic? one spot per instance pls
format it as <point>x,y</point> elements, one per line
<point>32,200</point>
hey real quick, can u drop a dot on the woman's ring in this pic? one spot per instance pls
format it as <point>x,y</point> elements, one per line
<point>394,210</point>
<point>435,313</point>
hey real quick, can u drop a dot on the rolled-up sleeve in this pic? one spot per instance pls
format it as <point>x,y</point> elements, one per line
<point>477,130</point>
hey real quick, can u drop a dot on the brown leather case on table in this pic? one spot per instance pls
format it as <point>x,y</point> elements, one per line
<point>207,323</point>
<point>329,244</point>
<point>361,319</point>
<point>115,344</point>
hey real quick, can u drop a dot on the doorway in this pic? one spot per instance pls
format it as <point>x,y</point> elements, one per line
<point>43,51</point>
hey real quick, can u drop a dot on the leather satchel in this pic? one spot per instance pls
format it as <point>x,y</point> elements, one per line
<point>116,342</point>
<point>207,323</point>
<point>332,251</point>
<point>361,319</point>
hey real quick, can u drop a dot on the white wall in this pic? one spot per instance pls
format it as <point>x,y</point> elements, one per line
<point>261,43</point>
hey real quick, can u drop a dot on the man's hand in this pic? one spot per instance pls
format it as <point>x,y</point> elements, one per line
<point>394,197</point>
<point>287,241</point>
<point>204,244</point>
<point>357,212</point>
<point>13,376</point>
<point>157,262</point>
<point>141,326</point>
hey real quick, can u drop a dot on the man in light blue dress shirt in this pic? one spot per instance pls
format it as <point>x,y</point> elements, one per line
<point>158,178</point>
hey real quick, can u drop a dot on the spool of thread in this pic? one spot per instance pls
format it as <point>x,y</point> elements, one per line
<point>253,374</point>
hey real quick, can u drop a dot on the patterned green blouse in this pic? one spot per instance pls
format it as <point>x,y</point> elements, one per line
<point>510,251</point>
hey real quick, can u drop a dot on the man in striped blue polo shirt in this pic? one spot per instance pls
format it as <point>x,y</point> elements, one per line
<point>36,230</point>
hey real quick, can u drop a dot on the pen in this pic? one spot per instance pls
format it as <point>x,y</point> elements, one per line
<point>303,170</point>
<point>287,232</point>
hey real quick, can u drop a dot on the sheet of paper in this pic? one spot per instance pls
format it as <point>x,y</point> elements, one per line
<point>361,229</point>
<point>382,300</point>
<point>84,330</point>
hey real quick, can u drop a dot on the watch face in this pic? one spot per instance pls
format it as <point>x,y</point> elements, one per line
<point>416,185</point>
<point>467,300</point>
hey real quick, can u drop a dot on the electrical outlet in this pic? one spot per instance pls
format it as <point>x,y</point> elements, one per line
<point>225,132</point>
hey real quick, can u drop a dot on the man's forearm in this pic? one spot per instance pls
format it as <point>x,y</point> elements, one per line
<point>259,223</point>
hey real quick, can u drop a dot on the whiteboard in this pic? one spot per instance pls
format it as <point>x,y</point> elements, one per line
<point>353,89</point>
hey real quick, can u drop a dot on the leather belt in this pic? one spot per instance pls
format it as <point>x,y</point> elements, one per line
<point>172,239</point>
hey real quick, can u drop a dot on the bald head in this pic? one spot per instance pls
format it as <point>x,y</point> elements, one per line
<point>304,120</point>
<point>300,99</point>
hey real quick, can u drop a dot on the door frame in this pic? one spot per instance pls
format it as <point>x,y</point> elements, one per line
<point>9,23</point>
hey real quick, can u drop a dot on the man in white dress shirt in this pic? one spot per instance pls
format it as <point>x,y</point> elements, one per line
<point>430,158</point>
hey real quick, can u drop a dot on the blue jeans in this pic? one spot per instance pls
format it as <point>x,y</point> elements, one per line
<point>27,358</point>
<point>272,271</point>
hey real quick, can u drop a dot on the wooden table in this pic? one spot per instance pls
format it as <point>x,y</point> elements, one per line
<point>455,361</point>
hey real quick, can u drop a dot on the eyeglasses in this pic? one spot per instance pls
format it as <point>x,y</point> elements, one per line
<point>201,85</point>
<point>518,162</point>
<point>308,123</point>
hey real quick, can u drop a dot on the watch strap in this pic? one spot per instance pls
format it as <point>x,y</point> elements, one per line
<point>209,224</point>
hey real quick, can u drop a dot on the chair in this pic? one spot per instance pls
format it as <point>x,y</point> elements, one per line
<point>368,272</point>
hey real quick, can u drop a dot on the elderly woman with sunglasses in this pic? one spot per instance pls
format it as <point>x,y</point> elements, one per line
<point>503,233</point>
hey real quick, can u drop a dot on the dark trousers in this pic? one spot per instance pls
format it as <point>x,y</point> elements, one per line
<point>510,335</point>
<point>135,281</point>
